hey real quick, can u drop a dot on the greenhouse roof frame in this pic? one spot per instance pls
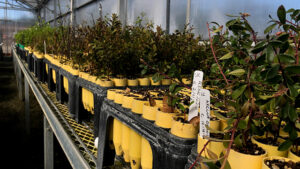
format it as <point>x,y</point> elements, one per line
<point>23,5</point>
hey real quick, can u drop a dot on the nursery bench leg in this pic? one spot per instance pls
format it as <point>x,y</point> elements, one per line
<point>27,108</point>
<point>20,78</point>
<point>48,145</point>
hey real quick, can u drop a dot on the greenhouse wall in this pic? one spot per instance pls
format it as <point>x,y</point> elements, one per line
<point>201,12</point>
<point>11,21</point>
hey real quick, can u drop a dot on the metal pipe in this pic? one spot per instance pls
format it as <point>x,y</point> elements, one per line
<point>168,16</point>
<point>188,12</point>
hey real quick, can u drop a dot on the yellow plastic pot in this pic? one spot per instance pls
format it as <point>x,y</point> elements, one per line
<point>183,130</point>
<point>54,76</point>
<point>66,84</point>
<point>117,136</point>
<point>245,161</point>
<point>119,97</point>
<point>271,150</point>
<point>146,155</point>
<point>215,147</point>
<point>137,105</point>
<point>71,70</point>
<point>163,119</point>
<point>127,101</point>
<point>133,82</point>
<point>120,82</point>
<point>126,142</point>
<point>215,124</point>
<point>111,94</point>
<point>107,83</point>
<point>166,81</point>
<point>46,67</point>
<point>264,166</point>
<point>293,156</point>
<point>186,81</point>
<point>154,83</point>
<point>88,100</point>
<point>144,81</point>
<point>223,125</point>
<point>135,150</point>
<point>149,112</point>
<point>84,75</point>
<point>158,101</point>
<point>39,55</point>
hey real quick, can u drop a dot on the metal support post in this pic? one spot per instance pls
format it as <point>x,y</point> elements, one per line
<point>188,12</point>
<point>27,108</point>
<point>48,146</point>
<point>20,80</point>
<point>123,12</point>
<point>72,13</point>
<point>55,13</point>
<point>168,16</point>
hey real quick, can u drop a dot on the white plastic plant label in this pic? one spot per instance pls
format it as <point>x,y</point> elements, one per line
<point>204,112</point>
<point>195,95</point>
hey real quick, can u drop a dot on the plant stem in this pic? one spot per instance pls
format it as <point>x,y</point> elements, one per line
<point>230,143</point>
<point>213,51</point>
<point>195,162</point>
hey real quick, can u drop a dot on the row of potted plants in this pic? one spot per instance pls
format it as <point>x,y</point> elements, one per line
<point>255,84</point>
<point>109,51</point>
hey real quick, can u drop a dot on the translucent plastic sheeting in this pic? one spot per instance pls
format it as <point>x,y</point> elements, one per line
<point>154,10</point>
<point>203,11</point>
<point>87,15</point>
<point>11,21</point>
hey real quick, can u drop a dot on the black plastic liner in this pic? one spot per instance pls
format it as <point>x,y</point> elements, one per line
<point>99,94</point>
<point>70,98</point>
<point>30,62</point>
<point>39,68</point>
<point>192,157</point>
<point>169,151</point>
<point>51,85</point>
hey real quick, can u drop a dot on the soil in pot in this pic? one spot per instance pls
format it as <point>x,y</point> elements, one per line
<point>281,164</point>
<point>270,145</point>
<point>249,156</point>
<point>250,148</point>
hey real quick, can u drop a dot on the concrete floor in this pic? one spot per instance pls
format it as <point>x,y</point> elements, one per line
<point>18,149</point>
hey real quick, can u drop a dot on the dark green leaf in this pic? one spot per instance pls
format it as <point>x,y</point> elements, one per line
<point>293,91</point>
<point>237,72</point>
<point>238,92</point>
<point>285,145</point>
<point>238,141</point>
<point>283,37</point>
<point>281,14</point>
<point>270,53</point>
<point>290,111</point>
<point>258,49</point>
<point>231,22</point>
<point>144,71</point>
<point>286,58</point>
<point>212,165</point>
<point>275,43</point>
<point>172,87</point>
<point>284,47</point>
<point>270,28</point>
<point>177,89</point>
<point>273,71</point>
<point>293,69</point>
<point>260,60</point>
<point>242,124</point>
